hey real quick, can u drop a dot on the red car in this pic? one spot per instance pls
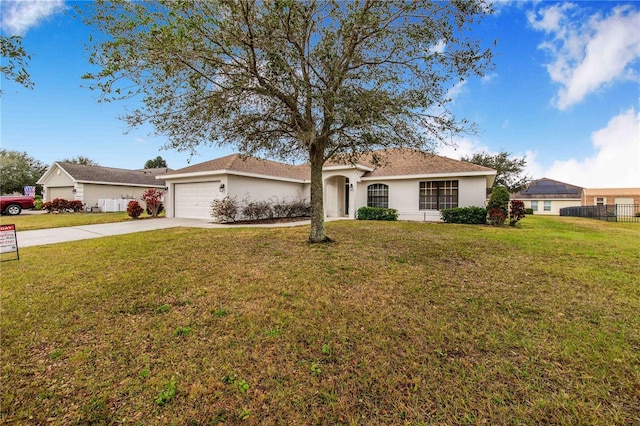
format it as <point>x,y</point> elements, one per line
<point>13,204</point>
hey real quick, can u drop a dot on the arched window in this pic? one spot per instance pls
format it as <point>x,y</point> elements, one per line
<point>378,195</point>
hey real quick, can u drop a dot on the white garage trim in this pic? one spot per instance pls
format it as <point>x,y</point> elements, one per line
<point>193,200</point>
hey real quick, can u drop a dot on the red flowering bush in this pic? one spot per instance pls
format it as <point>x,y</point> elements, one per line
<point>516,212</point>
<point>61,205</point>
<point>497,217</point>
<point>134,210</point>
<point>152,198</point>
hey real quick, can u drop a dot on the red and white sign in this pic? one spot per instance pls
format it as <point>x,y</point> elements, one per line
<point>8,240</point>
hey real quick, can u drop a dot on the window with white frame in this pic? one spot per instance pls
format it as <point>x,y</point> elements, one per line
<point>600,201</point>
<point>534,205</point>
<point>547,206</point>
<point>378,195</point>
<point>438,195</point>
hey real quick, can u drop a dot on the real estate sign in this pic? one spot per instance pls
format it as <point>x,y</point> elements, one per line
<point>8,242</point>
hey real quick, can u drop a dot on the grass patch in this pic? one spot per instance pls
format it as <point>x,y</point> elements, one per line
<point>31,222</point>
<point>423,324</point>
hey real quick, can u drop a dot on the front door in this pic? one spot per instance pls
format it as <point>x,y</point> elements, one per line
<point>346,196</point>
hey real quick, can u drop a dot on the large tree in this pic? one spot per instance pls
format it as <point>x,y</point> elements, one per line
<point>80,159</point>
<point>17,170</point>
<point>289,79</point>
<point>14,61</point>
<point>511,170</point>
<point>155,163</point>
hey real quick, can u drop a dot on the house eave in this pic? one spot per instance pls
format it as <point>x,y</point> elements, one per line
<point>142,185</point>
<point>229,172</point>
<point>429,176</point>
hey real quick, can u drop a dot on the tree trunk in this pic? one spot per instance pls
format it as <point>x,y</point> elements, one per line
<point>317,234</point>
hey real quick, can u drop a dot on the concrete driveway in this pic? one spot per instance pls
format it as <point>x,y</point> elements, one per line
<point>74,233</point>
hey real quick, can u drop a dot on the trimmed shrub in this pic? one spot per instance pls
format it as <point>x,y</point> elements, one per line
<point>468,215</point>
<point>499,200</point>
<point>225,210</point>
<point>516,212</point>
<point>256,210</point>
<point>377,213</point>
<point>134,210</point>
<point>497,217</point>
<point>296,208</point>
<point>528,211</point>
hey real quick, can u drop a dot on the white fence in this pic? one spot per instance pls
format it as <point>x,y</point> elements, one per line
<point>114,205</point>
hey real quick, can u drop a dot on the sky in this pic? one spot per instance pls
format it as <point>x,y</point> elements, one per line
<point>564,94</point>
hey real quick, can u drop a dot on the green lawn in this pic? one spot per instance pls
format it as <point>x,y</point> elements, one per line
<point>26,222</point>
<point>395,323</point>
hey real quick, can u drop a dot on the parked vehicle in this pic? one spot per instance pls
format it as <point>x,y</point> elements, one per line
<point>13,204</point>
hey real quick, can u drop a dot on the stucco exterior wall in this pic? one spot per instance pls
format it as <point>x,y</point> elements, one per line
<point>556,205</point>
<point>404,196</point>
<point>59,178</point>
<point>339,199</point>
<point>94,192</point>
<point>609,195</point>
<point>59,185</point>
<point>242,188</point>
<point>257,189</point>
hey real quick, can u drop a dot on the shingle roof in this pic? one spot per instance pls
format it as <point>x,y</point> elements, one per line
<point>238,163</point>
<point>403,162</point>
<point>548,188</point>
<point>83,173</point>
<point>394,162</point>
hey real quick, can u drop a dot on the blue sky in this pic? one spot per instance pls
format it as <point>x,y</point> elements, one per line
<point>565,93</point>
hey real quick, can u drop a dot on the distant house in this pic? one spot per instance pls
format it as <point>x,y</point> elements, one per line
<point>417,184</point>
<point>548,196</point>
<point>90,184</point>
<point>610,196</point>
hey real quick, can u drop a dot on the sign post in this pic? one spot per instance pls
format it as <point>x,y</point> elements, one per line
<point>8,242</point>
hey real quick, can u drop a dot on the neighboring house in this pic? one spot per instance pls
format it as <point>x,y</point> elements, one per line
<point>610,196</point>
<point>548,196</point>
<point>91,184</point>
<point>418,185</point>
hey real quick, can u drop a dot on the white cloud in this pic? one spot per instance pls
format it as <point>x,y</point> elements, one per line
<point>616,163</point>
<point>587,54</point>
<point>19,16</point>
<point>439,47</point>
<point>461,147</point>
<point>456,90</point>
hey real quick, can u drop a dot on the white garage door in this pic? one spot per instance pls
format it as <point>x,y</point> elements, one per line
<point>193,200</point>
<point>624,200</point>
<point>65,192</point>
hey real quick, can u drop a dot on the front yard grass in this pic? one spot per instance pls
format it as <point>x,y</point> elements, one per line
<point>29,222</point>
<point>395,323</point>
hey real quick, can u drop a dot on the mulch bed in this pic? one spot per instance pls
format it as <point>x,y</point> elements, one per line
<point>269,221</point>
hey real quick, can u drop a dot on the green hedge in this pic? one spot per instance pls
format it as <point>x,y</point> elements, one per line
<point>377,213</point>
<point>469,215</point>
